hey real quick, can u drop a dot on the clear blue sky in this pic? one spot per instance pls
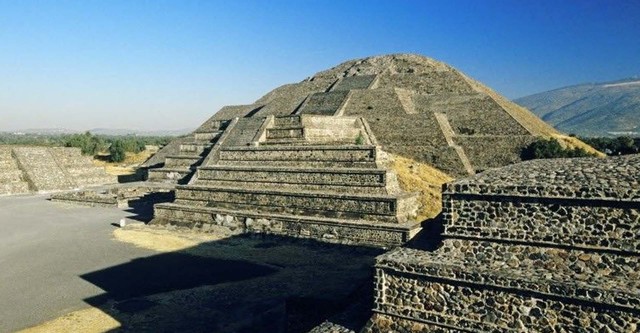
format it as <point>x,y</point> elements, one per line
<point>171,64</point>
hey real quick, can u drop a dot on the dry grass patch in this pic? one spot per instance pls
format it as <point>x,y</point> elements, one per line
<point>571,142</point>
<point>88,320</point>
<point>425,179</point>
<point>161,239</point>
<point>126,167</point>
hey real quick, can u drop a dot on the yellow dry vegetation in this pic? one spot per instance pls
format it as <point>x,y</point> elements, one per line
<point>162,240</point>
<point>126,167</point>
<point>91,320</point>
<point>572,142</point>
<point>419,177</point>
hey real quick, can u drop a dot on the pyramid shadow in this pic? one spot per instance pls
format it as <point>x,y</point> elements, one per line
<point>243,283</point>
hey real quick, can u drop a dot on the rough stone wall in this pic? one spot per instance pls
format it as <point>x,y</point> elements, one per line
<point>479,307</point>
<point>521,253</point>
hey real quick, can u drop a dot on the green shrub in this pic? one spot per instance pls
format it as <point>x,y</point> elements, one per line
<point>550,148</point>
<point>117,151</point>
<point>88,143</point>
<point>621,145</point>
<point>360,139</point>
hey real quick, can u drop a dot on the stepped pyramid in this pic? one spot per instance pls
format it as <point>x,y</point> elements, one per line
<point>308,159</point>
<point>45,169</point>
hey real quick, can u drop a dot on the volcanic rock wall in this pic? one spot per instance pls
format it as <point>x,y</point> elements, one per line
<point>542,246</point>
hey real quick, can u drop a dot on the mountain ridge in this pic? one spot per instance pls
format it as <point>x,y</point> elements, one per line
<point>590,109</point>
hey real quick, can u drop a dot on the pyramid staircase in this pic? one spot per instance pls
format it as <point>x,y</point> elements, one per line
<point>285,131</point>
<point>11,177</point>
<point>179,168</point>
<point>286,185</point>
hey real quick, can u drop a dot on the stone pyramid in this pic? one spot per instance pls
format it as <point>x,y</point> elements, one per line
<point>313,153</point>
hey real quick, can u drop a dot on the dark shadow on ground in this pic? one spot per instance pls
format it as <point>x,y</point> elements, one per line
<point>142,208</point>
<point>247,283</point>
<point>137,176</point>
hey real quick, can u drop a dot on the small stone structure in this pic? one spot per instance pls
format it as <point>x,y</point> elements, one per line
<point>121,196</point>
<point>542,246</point>
<point>46,169</point>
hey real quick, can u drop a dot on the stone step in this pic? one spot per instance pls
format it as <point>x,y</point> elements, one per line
<point>286,142</point>
<point>346,156</point>
<point>194,148</point>
<point>182,161</point>
<point>288,121</point>
<point>381,208</point>
<point>562,272</point>
<point>169,175</point>
<point>206,136</point>
<point>320,228</point>
<point>285,133</point>
<point>408,272</point>
<point>336,180</point>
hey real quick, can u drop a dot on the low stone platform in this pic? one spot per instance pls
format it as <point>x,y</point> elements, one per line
<point>549,245</point>
<point>339,156</point>
<point>370,181</point>
<point>333,230</point>
<point>121,196</point>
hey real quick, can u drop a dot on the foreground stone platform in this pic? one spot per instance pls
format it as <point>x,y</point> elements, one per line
<point>549,245</point>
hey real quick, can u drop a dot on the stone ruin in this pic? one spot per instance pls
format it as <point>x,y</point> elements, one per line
<point>47,169</point>
<point>308,159</point>
<point>542,246</point>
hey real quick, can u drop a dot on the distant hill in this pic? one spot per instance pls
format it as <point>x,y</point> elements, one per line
<point>123,131</point>
<point>104,131</point>
<point>592,109</point>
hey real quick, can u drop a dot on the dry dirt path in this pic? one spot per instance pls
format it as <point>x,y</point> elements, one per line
<point>45,248</point>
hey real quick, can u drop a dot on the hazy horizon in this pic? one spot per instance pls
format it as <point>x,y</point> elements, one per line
<point>169,65</point>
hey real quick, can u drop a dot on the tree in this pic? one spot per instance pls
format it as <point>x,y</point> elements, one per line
<point>117,151</point>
